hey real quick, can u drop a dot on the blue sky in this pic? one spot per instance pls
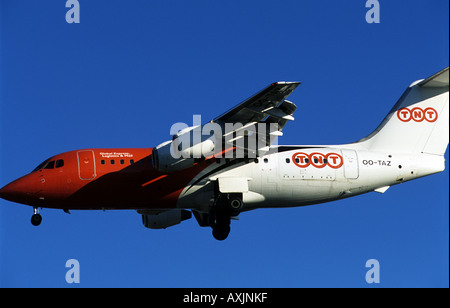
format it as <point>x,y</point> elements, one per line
<point>131,69</point>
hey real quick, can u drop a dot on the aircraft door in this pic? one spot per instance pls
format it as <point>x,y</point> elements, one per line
<point>86,165</point>
<point>351,170</point>
<point>268,165</point>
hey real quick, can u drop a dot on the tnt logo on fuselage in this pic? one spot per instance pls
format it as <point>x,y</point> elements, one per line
<point>318,160</point>
<point>417,114</point>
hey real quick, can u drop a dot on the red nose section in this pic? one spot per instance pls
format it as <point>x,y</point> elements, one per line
<point>12,191</point>
<point>4,192</point>
<point>21,190</point>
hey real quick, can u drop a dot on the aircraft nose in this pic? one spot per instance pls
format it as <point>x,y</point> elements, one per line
<point>8,192</point>
<point>16,191</point>
<point>3,192</point>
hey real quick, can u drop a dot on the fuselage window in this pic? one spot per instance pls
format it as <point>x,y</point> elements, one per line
<point>288,160</point>
<point>266,160</point>
<point>50,165</point>
<point>131,161</point>
<point>59,163</point>
<point>112,161</point>
<point>122,161</point>
<point>102,162</point>
<point>306,160</point>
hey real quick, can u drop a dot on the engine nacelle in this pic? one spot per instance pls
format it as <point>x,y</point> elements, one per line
<point>203,149</point>
<point>165,219</point>
<point>179,153</point>
<point>197,141</point>
<point>165,161</point>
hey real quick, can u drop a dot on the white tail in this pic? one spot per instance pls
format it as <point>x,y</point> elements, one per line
<point>419,122</point>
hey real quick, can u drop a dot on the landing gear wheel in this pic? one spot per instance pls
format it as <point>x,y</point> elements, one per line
<point>225,207</point>
<point>220,232</point>
<point>220,224</point>
<point>36,219</point>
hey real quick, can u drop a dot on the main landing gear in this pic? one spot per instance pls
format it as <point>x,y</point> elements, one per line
<point>36,219</point>
<point>226,206</point>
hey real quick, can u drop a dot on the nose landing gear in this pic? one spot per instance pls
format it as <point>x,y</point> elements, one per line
<point>36,219</point>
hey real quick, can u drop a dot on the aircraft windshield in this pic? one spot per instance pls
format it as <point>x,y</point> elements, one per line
<point>41,165</point>
<point>50,164</point>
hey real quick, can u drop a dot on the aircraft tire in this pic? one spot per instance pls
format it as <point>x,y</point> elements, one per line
<point>36,219</point>
<point>220,232</point>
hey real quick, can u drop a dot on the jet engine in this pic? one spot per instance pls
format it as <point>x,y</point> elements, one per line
<point>165,161</point>
<point>161,220</point>
<point>180,152</point>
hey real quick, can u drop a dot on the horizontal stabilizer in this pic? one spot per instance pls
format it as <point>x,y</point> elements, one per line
<point>437,80</point>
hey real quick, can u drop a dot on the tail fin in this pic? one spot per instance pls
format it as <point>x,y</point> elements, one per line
<point>419,122</point>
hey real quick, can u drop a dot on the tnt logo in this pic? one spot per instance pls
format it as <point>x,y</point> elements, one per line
<point>417,114</point>
<point>318,160</point>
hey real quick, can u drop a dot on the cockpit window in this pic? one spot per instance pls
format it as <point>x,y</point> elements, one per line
<point>41,165</point>
<point>50,165</point>
<point>47,164</point>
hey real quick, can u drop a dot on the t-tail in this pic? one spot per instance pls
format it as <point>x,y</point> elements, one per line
<point>418,123</point>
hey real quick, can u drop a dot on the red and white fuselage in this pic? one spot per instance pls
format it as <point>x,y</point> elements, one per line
<point>409,143</point>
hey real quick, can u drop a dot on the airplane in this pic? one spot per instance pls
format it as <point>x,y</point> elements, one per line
<point>237,168</point>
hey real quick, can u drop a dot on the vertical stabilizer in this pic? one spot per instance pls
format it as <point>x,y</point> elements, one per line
<point>419,122</point>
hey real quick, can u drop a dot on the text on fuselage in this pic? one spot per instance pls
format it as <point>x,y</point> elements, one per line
<point>318,160</point>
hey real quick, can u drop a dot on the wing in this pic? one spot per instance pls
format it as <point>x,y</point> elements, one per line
<point>263,116</point>
<point>245,131</point>
<point>265,103</point>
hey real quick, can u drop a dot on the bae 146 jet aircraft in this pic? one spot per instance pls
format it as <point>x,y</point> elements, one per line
<point>204,175</point>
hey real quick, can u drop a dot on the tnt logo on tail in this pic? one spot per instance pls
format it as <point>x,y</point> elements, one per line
<point>417,114</point>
